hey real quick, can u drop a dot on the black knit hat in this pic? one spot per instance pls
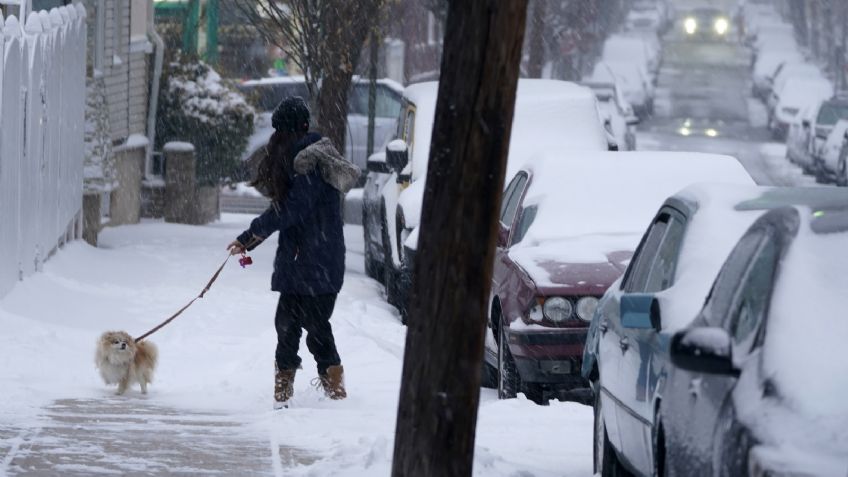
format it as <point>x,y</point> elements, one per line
<point>291,115</point>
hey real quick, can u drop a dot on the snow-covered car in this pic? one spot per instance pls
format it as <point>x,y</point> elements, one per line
<point>800,143</point>
<point>616,113</point>
<point>830,159</point>
<point>549,115</point>
<point>266,93</point>
<point>662,292</point>
<point>759,376</point>
<point>795,94</point>
<point>648,19</point>
<point>774,36</point>
<point>549,272</point>
<point>706,23</point>
<point>789,70</point>
<point>631,48</point>
<point>765,67</point>
<point>633,81</point>
<point>754,16</point>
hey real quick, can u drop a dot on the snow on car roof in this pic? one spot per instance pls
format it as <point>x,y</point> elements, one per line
<point>548,114</point>
<point>807,328</point>
<point>798,91</point>
<point>591,204</point>
<point>588,193</point>
<point>712,232</point>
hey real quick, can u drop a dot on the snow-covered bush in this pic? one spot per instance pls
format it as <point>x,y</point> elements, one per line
<point>197,106</point>
<point>99,169</point>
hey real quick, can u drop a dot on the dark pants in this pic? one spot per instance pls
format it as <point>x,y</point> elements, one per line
<point>311,313</point>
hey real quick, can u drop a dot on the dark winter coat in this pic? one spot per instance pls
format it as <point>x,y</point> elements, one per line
<point>311,251</point>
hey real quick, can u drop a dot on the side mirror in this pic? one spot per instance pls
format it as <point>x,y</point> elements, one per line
<point>640,311</point>
<point>805,124</point>
<point>632,120</point>
<point>703,350</point>
<point>377,163</point>
<point>397,155</point>
<point>612,146</point>
<point>503,235</point>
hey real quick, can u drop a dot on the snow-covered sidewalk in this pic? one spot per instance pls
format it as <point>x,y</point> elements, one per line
<point>208,410</point>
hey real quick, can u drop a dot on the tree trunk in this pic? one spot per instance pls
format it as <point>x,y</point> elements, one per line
<point>440,388</point>
<point>536,62</point>
<point>347,25</point>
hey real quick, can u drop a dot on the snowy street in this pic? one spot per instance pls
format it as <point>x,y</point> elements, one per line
<point>209,408</point>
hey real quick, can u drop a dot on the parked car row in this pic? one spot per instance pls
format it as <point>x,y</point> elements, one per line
<point>717,352</point>
<point>780,76</point>
<point>549,114</point>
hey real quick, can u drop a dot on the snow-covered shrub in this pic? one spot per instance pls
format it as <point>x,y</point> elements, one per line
<point>197,106</point>
<point>99,169</point>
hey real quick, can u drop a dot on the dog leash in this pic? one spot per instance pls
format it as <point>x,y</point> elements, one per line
<point>245,260</point>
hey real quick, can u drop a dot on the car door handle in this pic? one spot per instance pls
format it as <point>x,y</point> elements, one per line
<point>624,343</point>
<point>604,326</point>
<point>695,387</point>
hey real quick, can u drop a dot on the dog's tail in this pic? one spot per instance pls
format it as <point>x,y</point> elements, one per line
<point>146,357</point>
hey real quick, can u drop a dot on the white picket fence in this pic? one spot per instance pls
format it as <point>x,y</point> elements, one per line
<point>42,126</point>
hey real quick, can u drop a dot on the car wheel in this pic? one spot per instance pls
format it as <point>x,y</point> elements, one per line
<point>842,175</point>
<point>660,456</point>
<point>509,382</point>
<point>605,459</point>
<point>488,376</point>
<point>820,175</point>
<point>373,269</point>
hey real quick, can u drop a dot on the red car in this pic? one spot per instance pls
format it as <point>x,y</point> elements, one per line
<point>568,229</point>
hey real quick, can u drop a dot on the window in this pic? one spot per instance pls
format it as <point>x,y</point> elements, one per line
<point>661,274</point>
<point>637,272</point>
<point>509,204</point>
<point>754,293</point>
<point>387,104</point>
<point>830,113</point>
<point>409,127</point>
<point>724,288</point>
<point>528,215</point>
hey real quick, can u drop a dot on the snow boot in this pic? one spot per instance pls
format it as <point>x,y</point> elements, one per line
<point>333,382</point>
<point>283,386</point>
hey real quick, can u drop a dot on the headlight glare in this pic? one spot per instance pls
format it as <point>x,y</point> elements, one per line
<point>558,309</point>
<point>721,26</point>
<point>586,307</point>
<point>690,25</point>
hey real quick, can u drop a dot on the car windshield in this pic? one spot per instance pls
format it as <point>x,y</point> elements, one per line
<point>830,113</point>
<point>387,106</point>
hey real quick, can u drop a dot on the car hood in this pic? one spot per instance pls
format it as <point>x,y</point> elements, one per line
<point>576,266</point>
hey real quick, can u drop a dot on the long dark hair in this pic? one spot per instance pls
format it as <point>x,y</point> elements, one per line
<point>275,170</point>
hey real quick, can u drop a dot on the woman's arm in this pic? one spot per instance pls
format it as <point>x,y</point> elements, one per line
<point>299,203</point>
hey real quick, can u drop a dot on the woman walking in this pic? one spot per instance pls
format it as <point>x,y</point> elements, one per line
<point>303,175</point>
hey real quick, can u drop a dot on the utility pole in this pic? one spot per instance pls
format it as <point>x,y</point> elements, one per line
<point>374,53</point>
<point>440,388</point>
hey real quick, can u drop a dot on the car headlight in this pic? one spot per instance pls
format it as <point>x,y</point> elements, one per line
<point>690,25</point>
<point>557,309</point>
<point>721,26</point>
<point>586,307</point>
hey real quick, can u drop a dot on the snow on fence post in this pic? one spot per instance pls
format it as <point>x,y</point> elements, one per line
<point>42,109</point>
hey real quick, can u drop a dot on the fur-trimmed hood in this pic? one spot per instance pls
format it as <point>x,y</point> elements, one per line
<point>336,171</point>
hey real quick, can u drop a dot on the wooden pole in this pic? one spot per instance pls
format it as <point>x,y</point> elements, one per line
<point>440,388</point>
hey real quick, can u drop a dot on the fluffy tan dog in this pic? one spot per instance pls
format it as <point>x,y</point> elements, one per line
<point>123,361</point>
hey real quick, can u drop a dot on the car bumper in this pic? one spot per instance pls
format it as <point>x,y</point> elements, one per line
<point>548,356</point>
